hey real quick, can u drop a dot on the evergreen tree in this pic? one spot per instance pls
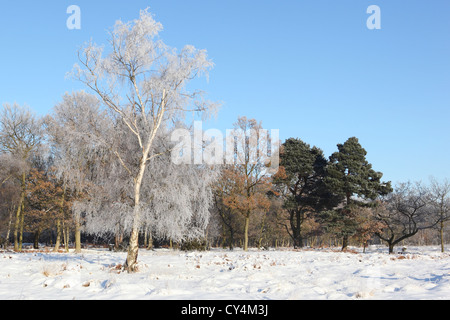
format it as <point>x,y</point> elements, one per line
<point>300,182</point>
<point>351,176</point>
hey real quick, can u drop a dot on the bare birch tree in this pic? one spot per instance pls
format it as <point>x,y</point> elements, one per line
<point>143,83</point>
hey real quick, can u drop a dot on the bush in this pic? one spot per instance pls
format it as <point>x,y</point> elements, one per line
<point>194,245</point>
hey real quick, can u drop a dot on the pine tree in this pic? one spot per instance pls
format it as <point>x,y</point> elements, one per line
<point>350,175</point>
<point>300,182</point>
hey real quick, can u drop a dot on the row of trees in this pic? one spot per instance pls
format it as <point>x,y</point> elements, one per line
<point>112,147</point>
<point>55,175</point>
<point>341,197</point>
<point>100,164</point>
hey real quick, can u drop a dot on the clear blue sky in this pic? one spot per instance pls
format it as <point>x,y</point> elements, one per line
<point>310,68</point>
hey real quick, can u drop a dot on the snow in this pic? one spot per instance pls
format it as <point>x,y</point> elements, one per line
<point>284,274</point>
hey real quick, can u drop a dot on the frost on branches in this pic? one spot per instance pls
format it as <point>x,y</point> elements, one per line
<point>142,85</point>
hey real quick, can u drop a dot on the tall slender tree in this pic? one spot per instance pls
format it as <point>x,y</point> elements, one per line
<point>249,175</point>
<point>143,82</point>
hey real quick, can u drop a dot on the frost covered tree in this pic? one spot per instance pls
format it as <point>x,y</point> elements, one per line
<point>20,138</point>
<point>178,199</point>
<point>10,167</point>
<point>78,132</point>
<point>143,82</point>
<point>9,194</point>
<point>174,200</point>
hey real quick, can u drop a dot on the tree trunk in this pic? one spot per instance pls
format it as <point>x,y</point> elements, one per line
<point>118,240</point>
<point>344,242</point>
<point>145,237</point>
<point>224,237</point>
<point>65,230</point>
<point>66,237</point>
<point>247,222</point>
<point>58,235</point>
<point>231,240</point>
<point>22,217</point>
<point>18,217</point>
<point>149,241</point>
<point>77,235</point>
<point>36,239</point>
<point>133,247</point>
<point>261,237</point>
<point>16,230</point>
<point>441,232</point>
<point>298,241</point>
<point>391,248</point>
<point>296,229</point>
<point>8,233</point>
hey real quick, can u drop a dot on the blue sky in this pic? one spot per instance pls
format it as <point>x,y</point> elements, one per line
<point>310,68</point>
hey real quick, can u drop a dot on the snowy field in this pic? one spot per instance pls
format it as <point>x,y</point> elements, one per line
<point>420,273</point>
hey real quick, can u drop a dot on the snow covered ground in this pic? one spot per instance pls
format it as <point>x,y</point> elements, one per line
<point>421,273</point>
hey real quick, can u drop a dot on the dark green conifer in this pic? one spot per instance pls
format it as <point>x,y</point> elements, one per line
<point>351,176</point>
<point>301,184</point>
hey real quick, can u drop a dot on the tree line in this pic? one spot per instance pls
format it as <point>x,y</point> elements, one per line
<point>100,164</point>
<point>341,197</point>
<point>55,177</point>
